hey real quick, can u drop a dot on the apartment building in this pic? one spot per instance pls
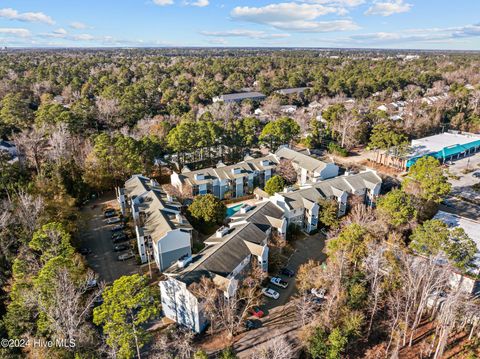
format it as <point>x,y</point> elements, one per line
<point>229,253</point>
<point>162,232</point>
<point>302,206</point>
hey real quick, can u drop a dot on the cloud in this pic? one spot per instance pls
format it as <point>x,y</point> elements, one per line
<point>12,14</point>
<point>252,34</point>
<point>200,3</point>
<point>387,8</point>
<point>163,2</point>
<point>17,32</point>
<point>294,16</point>
<point>78,25</point>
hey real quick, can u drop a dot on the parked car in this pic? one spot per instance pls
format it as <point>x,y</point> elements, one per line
<point>252,324</point>
<point>121,237</point>
<point>85,251</point>
<point>287,272</point>
<point>476,174</point>
<point>113,220</point>
<point>279,282</point>
<point>257,312</point>
<point>269,292</point>
<point>91,283</point>
<point>118,228</point>
<point>125,256</point>
<point>318,292</point>
<point>110,212</point>
<point>121,247</point>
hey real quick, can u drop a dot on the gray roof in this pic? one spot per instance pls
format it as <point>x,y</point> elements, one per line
<point>241,96</point>
<point>290,91</point>
<point>332,187</point>
<point>260,215</point>
<point>302,160</point>
<point>137,185</point>
<point>222,258</point>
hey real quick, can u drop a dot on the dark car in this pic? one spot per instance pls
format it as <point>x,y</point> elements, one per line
<point>109,213</point>
<point>287,272</point>
<point>252,324</point>
<point>121,247</point>
<point>85,251</point>
<point>118,228</point>
<point>476,174</point>
<point>120,238</point>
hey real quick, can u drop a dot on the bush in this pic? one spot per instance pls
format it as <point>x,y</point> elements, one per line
<point>337,149</point>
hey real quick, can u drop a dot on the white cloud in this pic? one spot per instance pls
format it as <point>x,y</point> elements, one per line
<point>12,14</point>
<point>78,25</point>
<point>294,16</point>
<point>163,2</point>
<point>15,31</point>
<point>83,37</point>
<point>200,3</point>
<point>252,34</point>
<point>387,8</point>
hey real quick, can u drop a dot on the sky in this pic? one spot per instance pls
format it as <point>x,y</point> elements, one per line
<point>402,24</point>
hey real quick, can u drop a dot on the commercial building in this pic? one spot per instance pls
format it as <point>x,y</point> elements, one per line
<point>229,254</point>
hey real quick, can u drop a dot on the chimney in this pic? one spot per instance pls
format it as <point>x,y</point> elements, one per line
<point>222,231</point>
<point>184,261</point>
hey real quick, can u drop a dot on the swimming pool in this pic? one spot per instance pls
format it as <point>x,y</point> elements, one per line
<point>234,209</point>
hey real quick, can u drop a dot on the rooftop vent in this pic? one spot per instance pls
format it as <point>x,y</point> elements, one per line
<point>222,231</point>
<point>245,208</point>
<point>184,261</point>
<point>199,176</point>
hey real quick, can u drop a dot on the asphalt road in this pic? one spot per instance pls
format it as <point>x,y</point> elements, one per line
<point>96,235</point>
<point>461,208</point>
<point>311,247</point>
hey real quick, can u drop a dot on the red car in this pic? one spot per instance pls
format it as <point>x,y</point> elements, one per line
<point>256,312</point>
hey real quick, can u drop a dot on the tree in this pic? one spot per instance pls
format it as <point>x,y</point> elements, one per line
<point>384,136</point>
<point>396,207</point>
<point>279,132</point>
<point>207,209</point>
<point>274,184</point>
<point>286,170</point>
<point>352,241</point>
<point>328,214</point>
<point>52,240</point>
<point>426,179</point>
<point>14,112</point>
<point>127,305</point>
<point>434,237</point>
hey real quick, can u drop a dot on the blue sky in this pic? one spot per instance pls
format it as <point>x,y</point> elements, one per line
<point>418,24</point>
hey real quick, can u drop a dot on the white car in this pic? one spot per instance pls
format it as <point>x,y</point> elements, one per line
<point>269,292</point>
<point>279,282</point>
<point>125,256</point>
<point>113,220</point>
<point>318,292</point>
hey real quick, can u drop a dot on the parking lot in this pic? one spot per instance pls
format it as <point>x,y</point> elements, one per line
<point>462,185</point>
<point>96,235</point>
<point>310,247</point>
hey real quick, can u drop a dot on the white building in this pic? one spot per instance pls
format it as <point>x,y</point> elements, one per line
<point>225,260</point>
<point>239,97</point>
<point>309,169</point>
<point>227,181</point>
<point>302,207</point>
<point>161,230</point>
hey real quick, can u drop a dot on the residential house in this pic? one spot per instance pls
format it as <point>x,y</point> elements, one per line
<point>239,97</point>
<point>292,91</point>
<point>309,169</point>
<point>229,253</point>
<point>302,207</point>
<point>161,229</point>
<point>227,181</point>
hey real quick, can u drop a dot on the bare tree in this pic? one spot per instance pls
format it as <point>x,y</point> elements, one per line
<point>32,144</point>
<point>175,343</point>
<point>108,110</point>
<point>276,348</point>
<point>27,211</point>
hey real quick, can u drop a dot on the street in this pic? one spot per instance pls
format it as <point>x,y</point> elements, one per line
<point>97,237</point>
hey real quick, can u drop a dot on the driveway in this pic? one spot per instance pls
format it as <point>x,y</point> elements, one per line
<point>461,208</point>
<point>96,235</point>
<point>282,321</point>
<point>310,247</point>
<point>462,186</point>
